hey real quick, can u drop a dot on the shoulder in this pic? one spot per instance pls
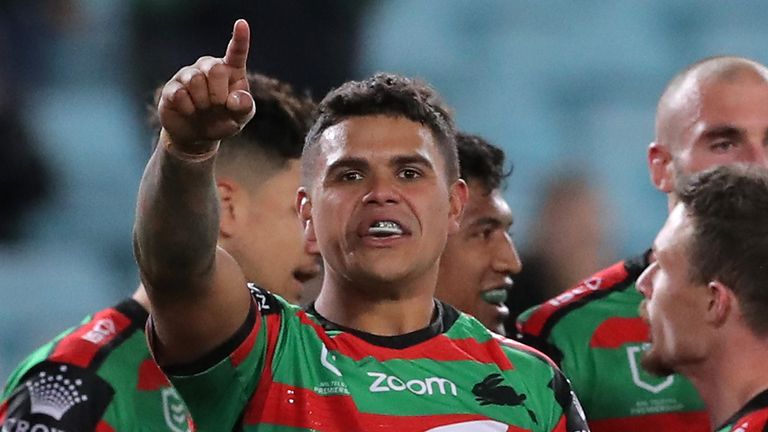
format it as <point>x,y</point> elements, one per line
<point>538,321</point>
<point>537,367</point>
<point>58,395</point>
<point>754,422</point>
<point>507,353</point>
<point>87,345</point>
<point>270,303</point>
<point>522,354</point>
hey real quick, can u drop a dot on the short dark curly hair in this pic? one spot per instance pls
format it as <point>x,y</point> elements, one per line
<point>282,120</point>
<point>729,209</point>
<point>481,161</point>
<point>391,95</point>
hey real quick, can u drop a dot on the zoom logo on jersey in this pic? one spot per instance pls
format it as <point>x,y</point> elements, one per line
<point>432,385</point>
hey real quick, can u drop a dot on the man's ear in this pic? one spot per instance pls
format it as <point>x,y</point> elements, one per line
<point>459,194</point>
<point>721,303</point>
<point>228,211</point>
<point>304,209</point>
<point>660,167</point>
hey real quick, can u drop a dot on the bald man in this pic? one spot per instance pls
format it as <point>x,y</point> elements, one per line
<point>713,113</point>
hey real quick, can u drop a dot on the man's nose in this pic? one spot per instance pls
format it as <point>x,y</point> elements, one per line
<point>506,259</point>
<point>382,190</point>
<point>757,154</point>
<point>643,283</point>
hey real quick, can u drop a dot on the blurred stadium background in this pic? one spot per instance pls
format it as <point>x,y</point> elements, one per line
<point>565,87</point>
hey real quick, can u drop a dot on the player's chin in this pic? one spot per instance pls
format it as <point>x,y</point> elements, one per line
<point>493,317</point>
<point>655,363</point>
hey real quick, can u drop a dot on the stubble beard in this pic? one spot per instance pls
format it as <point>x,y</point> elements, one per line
<point>653,362</point>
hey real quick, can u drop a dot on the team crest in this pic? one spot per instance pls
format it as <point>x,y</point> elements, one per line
<point>643,379</point>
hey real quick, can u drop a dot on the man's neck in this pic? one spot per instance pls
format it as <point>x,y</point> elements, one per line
<point>728,380</point>
<point>383,316</point>
<point>140,295</point>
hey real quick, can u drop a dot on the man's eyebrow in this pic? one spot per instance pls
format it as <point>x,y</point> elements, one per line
<point>348,162</point>
<point>493,221</point>
<point>411,160</point>
<point>723,131</point>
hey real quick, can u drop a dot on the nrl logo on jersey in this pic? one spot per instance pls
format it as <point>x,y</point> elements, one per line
<point>640,377</point>
<point>175,411</point>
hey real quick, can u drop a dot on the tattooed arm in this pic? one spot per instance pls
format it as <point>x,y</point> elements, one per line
<point>197,292</point>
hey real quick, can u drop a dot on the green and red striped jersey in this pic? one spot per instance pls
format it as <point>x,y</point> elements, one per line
<point>753,417</point>
<point>98,376</point>
<point>288,369</point>
<point>595,333</point>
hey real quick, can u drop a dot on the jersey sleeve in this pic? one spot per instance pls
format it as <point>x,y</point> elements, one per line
<point>573,418</point>
<point>217,387</point>
<point>529,333</point>
<point>56,396</point>
<point>548,394</point>
<point>756,421</point>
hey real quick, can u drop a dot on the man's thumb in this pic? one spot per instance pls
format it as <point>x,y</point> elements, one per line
<point>240,104</point>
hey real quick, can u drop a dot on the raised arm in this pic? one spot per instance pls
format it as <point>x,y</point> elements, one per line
<point>197,292</point>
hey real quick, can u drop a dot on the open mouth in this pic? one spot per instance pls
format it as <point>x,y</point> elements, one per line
<point>385,228</point>
<point>495,296</point>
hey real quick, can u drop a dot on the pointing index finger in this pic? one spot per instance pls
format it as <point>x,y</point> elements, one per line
<point>237,50</point>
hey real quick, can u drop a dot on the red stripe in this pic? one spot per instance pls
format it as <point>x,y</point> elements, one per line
<point>242,351</point>
<point>3,411</point>
<point>600,281</point>
<point>561,425</point>
<point>291,406</point>
<point>696,421</point>
<point>754,421</point>
<point>523,347</point>
<point>306,320</point>
<point>151,378</point>
<point>258,400</point>
<point>439,348</point>
<point>617,331</point>
<point>104,427</point>
<point>80,347</point>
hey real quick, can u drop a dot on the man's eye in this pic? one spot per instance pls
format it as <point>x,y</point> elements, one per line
<point>484,233</point>
<point>722,145</point>
<point>409,173</point>
<point>351,176</point>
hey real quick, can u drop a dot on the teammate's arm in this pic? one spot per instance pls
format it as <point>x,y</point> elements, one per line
<point>56,396</point>
<point>572,413</point>
<point>198,293</point>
